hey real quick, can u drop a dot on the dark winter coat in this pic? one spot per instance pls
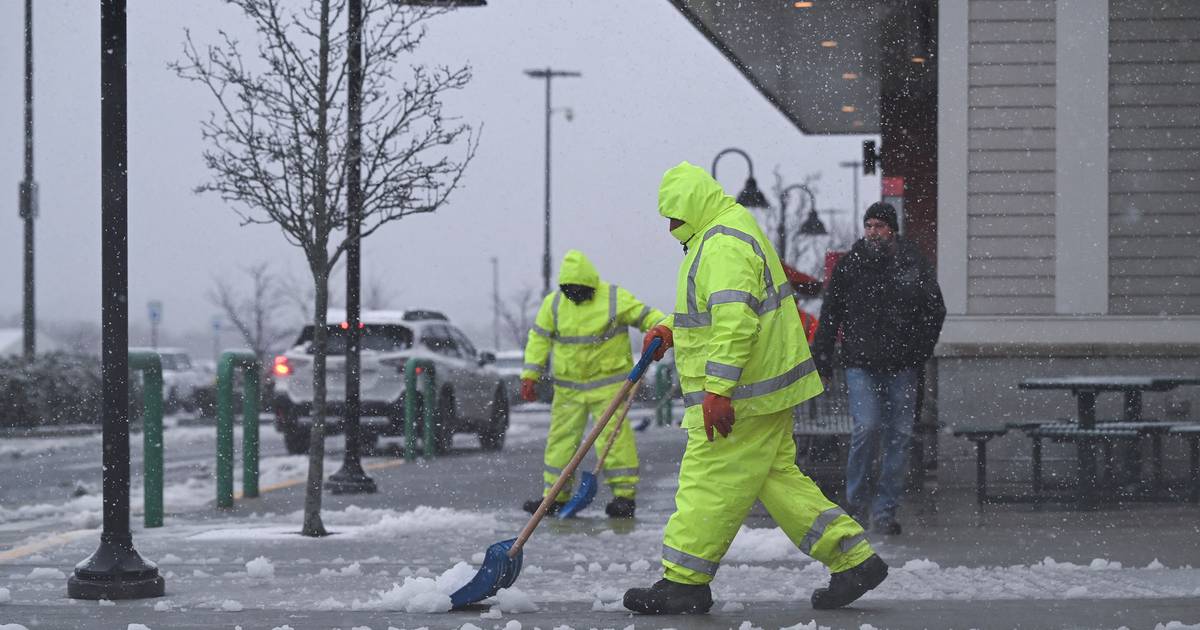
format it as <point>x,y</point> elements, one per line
<point>888,308</point>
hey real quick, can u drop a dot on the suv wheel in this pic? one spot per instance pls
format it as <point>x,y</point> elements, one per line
<point>491,437</point>
<point>443,430</point>
<point>295,435</point>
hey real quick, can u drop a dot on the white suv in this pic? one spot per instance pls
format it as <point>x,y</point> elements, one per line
<point>471,395</point>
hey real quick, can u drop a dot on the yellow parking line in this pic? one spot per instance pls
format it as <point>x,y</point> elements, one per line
<point>46,543</point>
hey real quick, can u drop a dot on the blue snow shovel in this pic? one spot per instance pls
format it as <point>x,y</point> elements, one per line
<point>587,485</point>
<point>502,561</point>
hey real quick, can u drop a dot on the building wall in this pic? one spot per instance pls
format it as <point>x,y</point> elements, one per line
<point>1068,211</point>
<point>1010,161</point>
<point>1154,158</point>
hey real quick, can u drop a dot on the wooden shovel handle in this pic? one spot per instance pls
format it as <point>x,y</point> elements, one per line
<point>569,469</point>
<point>612,437</point>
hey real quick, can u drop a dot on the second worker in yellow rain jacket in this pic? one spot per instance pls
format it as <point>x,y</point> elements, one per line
<point>744,365</point>
<point>583,331</point>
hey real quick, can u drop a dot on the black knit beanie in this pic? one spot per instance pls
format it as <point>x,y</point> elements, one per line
<point>884,212</point>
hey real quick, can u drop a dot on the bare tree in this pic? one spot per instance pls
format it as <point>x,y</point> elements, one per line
<point>277,142</point>
<point>256,316</point>
<point>378,295</point>
<point>518,313</point>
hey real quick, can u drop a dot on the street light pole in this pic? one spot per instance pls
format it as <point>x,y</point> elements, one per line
<point>352,479</point>
<point>854,168</point>
<point>548,75</point>
<point>496,303</point>
<point>115,570</point>
<point>29,190</point>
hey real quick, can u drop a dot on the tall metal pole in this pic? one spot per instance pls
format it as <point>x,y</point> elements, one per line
<point>115,570</point>
<point>351,479</point>
<point>496,303</point>
<point>781,231</point>
<point>548,75</point>
<point>28,189</point>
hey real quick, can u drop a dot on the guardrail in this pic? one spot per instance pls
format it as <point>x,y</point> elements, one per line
<point>412,369</point>
<point>251,368</point>
<point>150,365</point>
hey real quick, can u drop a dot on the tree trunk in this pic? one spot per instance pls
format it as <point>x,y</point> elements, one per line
<point>318,260</point>
<point>316,449</point>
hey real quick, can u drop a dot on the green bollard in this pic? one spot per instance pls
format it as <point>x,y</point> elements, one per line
<point>664,409</point>
<point>150,365</point>
<point>225,367</point>
<point>410,407</point>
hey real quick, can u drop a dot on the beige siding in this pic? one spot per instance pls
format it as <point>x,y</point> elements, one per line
<point>1010,178</point>
<point>1154,158</point>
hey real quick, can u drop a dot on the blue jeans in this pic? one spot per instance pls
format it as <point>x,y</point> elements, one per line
<point>882,404</point>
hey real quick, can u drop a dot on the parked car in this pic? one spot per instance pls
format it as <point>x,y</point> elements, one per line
<point>510,363</point>
<point>181,378</point>
<point>471,394</point>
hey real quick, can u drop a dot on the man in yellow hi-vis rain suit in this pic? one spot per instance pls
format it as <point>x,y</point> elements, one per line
<point>586,322</point>
<point>741,355</point>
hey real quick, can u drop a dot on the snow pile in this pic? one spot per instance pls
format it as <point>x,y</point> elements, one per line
<point>733,607</point>
<point>46,573</point>
<point>1155,565</point>
<point>231,605</point>
<point>761,544</point>
<point>163,605</point>
<point>1170,625</point>
<point>1100,564</point>
<point>421,594</point>
<point>923,564</point>
<point>354,569</point>
<point>512,600</point>
<point>5,596</point>
<point>260,568</point>
<point>812,625</point>
<point>170,559</point>
<point>385,523</point>
<point>639,565</point>
<point>137,626</point>
<point>12,626</point>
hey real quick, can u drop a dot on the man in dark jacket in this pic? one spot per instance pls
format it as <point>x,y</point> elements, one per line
<point>885,300</point>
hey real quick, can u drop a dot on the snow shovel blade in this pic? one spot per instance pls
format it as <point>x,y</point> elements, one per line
<point>498,571</point>
<point>583,497</point>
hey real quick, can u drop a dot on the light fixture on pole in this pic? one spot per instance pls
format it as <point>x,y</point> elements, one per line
<point>750,196</point>
<point>548,75</point>
<point>811,226</point>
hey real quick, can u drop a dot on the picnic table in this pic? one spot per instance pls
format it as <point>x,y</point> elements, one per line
<point>1085,434</point>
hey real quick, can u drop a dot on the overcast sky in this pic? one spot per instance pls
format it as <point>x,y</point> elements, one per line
<point>653,92</point>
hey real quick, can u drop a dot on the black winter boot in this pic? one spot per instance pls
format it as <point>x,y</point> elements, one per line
<point>669,598</point>
<point>532,505</point>
<point>620,507</point>
<point>847,586</point>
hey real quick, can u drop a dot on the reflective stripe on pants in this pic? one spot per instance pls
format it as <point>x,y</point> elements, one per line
<point>569,414</point>
<point>719,483</point>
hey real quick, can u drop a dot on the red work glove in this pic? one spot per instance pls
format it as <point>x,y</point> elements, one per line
<point>718,414</point>
<point>661,332</point>
<point>528,393</point>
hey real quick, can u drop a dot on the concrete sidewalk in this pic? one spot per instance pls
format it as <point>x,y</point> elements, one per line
<point>1017,568</point>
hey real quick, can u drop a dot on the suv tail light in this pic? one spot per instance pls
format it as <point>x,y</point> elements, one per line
<point>282,367</point>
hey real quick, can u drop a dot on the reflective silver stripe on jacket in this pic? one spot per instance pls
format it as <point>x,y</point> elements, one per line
<point>846,544</point>
<point>814,534</point>
<point>761,388</point>
<point>611,329</point>
<point>551,470</point>
<point>615,378</point>
<point>721,370</point>
<point>774,296</point>
<point>554,308</point>
<point>620,472</point>
<point>641,316</point>
<point>542,331</point>
<point>534,367</point>
<point>688,561</point>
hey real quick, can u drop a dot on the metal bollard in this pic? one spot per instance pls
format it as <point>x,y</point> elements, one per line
<point>150,364</point>
<point>225,370</point>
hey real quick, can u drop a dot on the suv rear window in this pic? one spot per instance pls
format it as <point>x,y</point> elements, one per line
<point>375,337</point>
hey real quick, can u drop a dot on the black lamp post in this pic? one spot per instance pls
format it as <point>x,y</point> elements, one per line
<point>115,570</point>
<point>751,196</point>
<point>812,225</point>
<point>28,191</point>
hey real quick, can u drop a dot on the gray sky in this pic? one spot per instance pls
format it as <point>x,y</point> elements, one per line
<point>653,92</point>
